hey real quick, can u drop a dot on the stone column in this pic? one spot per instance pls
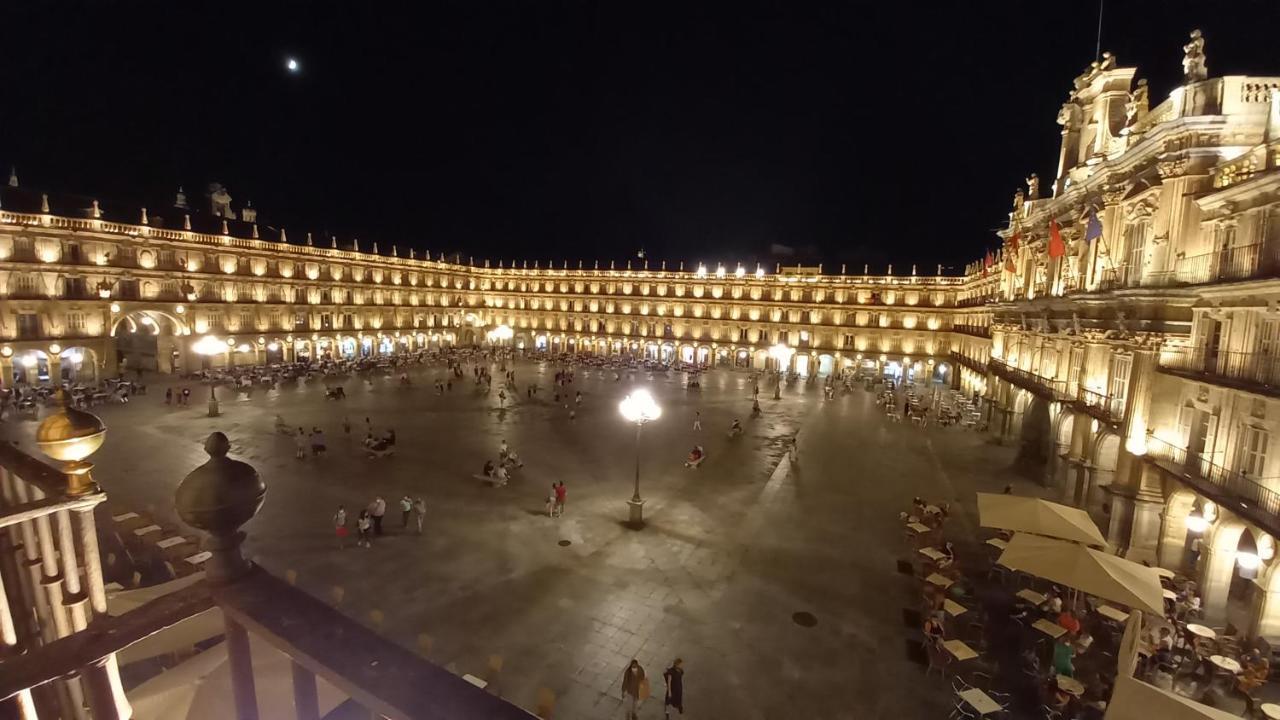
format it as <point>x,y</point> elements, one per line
<point>55,369</point>
<point>6,372</point>
<point>1137,492</point>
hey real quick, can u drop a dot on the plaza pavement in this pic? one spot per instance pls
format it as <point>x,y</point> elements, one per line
<point>730,552</point>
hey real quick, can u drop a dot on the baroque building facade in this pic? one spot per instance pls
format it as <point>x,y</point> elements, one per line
<point>1125,337</point>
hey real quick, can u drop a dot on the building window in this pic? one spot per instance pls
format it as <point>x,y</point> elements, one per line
<point>28,326</point>
<point>1121,365</point>
<point>75,322</point>
<point>1136,242</point>
<point>1253,450</point>
<point>26,285</point>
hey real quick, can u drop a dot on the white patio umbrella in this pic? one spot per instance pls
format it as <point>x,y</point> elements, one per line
<point>180,636</point>
<point>1127,656</point>
<point>1083,568</point>
<point>1134,699</point>
<point>200,688</point>
<point>1041,517</point>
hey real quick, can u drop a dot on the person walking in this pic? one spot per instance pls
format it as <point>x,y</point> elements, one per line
<point>186,396</point>
<point>673,678</point>
<point>406,507</point>
<point>168,396</point>
<point>363,524</point>
<point>300,442</point>
<point>697,419</point>
<point>346,426</point>
<point>340,526</point>
<point>560,493</point>
<point>419,512</point>
<point>377,509</point>
<point>551,501</point>
<point>635,688</point>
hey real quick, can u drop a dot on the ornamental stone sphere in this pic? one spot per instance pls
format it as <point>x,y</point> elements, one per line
<point>70,435</point>
<point>222,494</point>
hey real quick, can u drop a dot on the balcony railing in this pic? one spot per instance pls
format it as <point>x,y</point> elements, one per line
<point>1244,495</point>
<point>975,330</point>
<point>1103,407</point>
<point>1112,407</point>
<point>978,366</point>
<point>1251,371</point>
<point>59,645</point>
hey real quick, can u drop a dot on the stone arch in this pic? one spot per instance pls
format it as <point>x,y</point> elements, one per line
<point>1172,553</point>
<point>147,338</point>
<point>80,363</point>
<point>1035,434</point>
<point>1061,430</point>
<point>1267,622</point>
<point>1219,566</point>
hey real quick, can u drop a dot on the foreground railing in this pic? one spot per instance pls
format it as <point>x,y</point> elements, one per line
<point>60,646</point>
<point>1252,497</point>
<point>1259,371</point>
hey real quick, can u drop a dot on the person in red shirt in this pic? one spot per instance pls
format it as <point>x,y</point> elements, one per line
<point>1069,621</point>
<point>560,495</point>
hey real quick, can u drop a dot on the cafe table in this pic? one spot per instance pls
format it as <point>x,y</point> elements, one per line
<point>1052,629</point>
<point>1202,631</point>
<point>932,553</point>
<point>1070,685</point>
<point>1031,596</point>
<point>953,608</point>
<point>997,543</point>
<point>1170,595</point>
<point>959,650</point>
<point>1165,573</point>
<point>941,581</point>
<point>918,528</point>
<point>980,701</point>
<point>1111,613</point>
<point>1270,710</point>
<point>1226,663</point>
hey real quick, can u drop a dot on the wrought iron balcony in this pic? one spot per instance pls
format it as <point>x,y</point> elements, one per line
<point>1105,408</point>
<point>975,330</point>
<point>1252,498</point>
<point>1259,372</point>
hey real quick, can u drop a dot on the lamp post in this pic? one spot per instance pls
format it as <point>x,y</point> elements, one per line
<point>639,407</point>
<point>210,346</point>
<point>782,354</point>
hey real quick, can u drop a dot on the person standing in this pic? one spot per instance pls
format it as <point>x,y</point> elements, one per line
<point>673,678</point>
<point>635,687</point>
<point>697,419</point>
<point>300,442</point>
<point>419,512</point>
<point>378,509</point>
<point>363,524</point>
<point>406,507</point>
<point>340,526</point>
<point>346,426</point>
<point>551,500</point>
<point>560,493</point>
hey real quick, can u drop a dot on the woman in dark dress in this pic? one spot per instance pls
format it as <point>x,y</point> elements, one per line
<point>674,679</point>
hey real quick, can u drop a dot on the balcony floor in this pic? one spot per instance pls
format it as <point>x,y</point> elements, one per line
<point>732,549</point>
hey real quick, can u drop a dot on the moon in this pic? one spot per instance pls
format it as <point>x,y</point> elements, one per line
<point>292,65</point>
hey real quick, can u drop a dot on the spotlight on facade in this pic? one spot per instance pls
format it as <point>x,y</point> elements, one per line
<point>740,272</point>
<point>1196,521</point>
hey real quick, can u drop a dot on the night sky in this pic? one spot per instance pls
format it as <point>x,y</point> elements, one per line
<point>859,133</point>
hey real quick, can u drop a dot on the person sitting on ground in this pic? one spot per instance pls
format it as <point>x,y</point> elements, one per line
<point>735,427</point>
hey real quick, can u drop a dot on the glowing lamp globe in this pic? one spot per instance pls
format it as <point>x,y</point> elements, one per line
<point>639,407</point>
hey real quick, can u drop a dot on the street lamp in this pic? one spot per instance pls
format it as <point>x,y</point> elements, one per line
<point>210,346</point>
<point>500,334</point>
<point>782,354</point>
<point>639,407</point>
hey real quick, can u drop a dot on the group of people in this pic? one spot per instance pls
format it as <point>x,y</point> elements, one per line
<point>635,688</point>
<point>369,522</point>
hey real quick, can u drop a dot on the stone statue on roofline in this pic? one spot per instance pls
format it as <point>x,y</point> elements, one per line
<point>220,201</point>
<point>1033,187</point>
<point>1193,58</point>
<point>1018,199</point>
<point>1136,106</point>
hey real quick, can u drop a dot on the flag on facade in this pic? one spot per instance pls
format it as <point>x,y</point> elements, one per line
<point>1056,247</point>
<point>1093,229</point>
<point>987,262</point>
<point>1008,264</point>
<point>1014,239</point>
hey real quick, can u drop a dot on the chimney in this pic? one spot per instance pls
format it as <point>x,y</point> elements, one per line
<point>248,214</point>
